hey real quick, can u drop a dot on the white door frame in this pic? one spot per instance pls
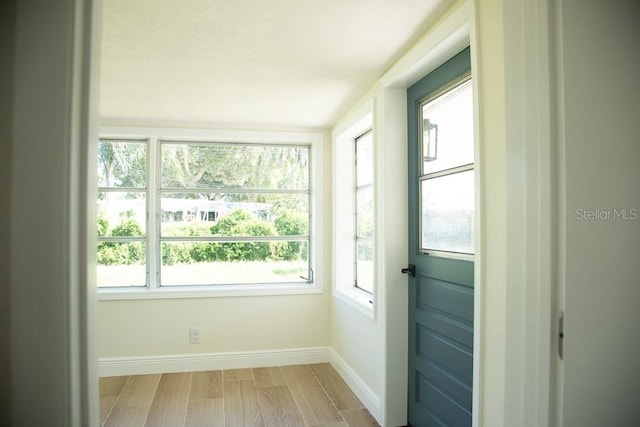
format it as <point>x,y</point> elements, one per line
<point>52,297</point>
<point>530,305</point>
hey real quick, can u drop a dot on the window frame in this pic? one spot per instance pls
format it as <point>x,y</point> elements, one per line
<point>358,189</point>
<point>152,290</point>
<point>344,232</point>
<point>121,189</point>
<point>425,176</point>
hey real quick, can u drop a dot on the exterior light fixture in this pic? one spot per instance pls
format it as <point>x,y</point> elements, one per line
<point>429,140</point>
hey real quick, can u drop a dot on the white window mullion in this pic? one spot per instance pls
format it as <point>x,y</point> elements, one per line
<point>153,249</point>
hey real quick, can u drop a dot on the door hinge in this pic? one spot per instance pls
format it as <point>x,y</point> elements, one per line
<point>561,335</point>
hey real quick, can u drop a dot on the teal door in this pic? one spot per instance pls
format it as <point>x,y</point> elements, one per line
<point>441,246</point>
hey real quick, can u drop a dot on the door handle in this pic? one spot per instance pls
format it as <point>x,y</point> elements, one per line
<point>411,270</point>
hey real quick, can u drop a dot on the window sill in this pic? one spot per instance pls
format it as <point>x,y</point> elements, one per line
<point>175,292</point>
<point>358,299</point>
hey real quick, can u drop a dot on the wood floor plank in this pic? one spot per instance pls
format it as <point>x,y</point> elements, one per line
<point>205,413</point>
<point>138,390</point>
<point>106,405</point>
<point>335,387</point>
<point>169,406</point>
<point>278,407</point>
<point>206,385</point>
<point>338,424</point>
<point>112,386</point>
<point>237,374</point>
<point>127,416</point>
<point>241,404</point>
<point>312,401</point>
<point>359,418</point>
<point>268,377</point>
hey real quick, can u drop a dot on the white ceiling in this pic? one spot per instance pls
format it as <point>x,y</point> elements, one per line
<point>249,63</point>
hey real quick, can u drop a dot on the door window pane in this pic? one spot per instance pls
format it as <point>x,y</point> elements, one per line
<point>447,130</point>
<point>448,213</point>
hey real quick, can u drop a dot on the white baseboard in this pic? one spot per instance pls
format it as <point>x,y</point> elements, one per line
<point>115,366</point>
<point>370,399</point>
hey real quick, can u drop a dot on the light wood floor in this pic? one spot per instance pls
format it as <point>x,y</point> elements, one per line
<point>296,396</point>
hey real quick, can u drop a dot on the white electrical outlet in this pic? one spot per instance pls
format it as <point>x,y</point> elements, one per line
<point>194,335</point>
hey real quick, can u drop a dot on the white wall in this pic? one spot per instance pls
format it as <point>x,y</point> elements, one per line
<point>599,108</point>
<point>139,328</point>
<point>357,339</point>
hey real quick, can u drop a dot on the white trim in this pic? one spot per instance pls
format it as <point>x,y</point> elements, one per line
<point>370,400</point>
<point>138,365</point>
<point>560,199</point>
<point>211,291</point>
<point>90,33</point>
<point>530,303</point>
<point>478,296</point>
<point>393,236</point>
<point>446,37</point>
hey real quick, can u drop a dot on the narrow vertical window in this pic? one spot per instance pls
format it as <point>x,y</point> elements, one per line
<point>364,212</point>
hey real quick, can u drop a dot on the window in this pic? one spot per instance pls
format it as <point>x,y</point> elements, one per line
<point>363,167</point>
<point>122,212</point>
<point>447,177</point>
<point>354,215</point>
<point>194,213</point>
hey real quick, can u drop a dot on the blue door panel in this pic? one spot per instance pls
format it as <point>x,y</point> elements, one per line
<point>444,325</point>
<point>442,407</point>
<point>448,269</point>
<point>456,360</point>
<point>449,384</point>
<point>450,298</point>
